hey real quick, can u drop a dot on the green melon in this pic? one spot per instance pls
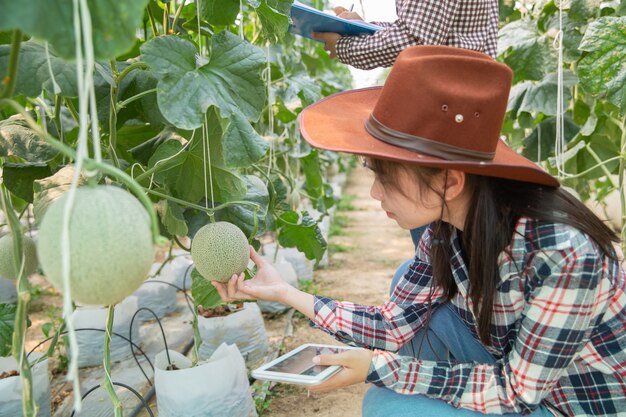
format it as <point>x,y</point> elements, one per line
<point>220,250</point>
<point>7,264</point>
<point>111,248</point>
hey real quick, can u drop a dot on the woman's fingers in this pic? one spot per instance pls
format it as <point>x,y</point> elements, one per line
<point>256,258</point>
<point>232,290</point>
<point>339,380</point>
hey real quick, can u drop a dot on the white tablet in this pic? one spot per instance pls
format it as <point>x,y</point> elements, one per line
<point>297,367</point>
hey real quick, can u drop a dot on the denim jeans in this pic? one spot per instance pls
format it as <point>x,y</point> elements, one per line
<point>447,338</point>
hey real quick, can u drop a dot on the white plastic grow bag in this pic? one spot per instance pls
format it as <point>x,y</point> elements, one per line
<point>11,388</point>
<point>297,259</point>
<point>216,388</point>
<point>244,328</point>
<point>288,274</point>
<point>8,292</point>
<point>159,297</point>
<point>91,342</point>
<point>178,270</point>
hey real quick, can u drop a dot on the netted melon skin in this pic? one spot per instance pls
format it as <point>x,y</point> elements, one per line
<point>220,250</point>
<point>7,263</point>
<point>111,245</point>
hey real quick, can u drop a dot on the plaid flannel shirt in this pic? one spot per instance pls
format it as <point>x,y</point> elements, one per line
<point>469,24</point>
<point>558,329</point>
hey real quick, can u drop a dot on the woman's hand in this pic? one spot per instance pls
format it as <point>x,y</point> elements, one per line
<point>330,41</point>
<point>346,14</point>
<point>267,283</point>
<point>355,362</point>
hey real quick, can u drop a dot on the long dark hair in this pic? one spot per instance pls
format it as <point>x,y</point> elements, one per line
<point>495,206</point>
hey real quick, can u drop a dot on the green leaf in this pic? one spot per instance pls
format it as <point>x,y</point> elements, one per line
<point>230,80</point>
<point>203,292</point>
<point>242,144</point>
<point>147,107</point>
<point>525,50</point>
<point>245,216</point>
<point>539,145</point>
<point>313,175</point>
<point>303,87</point>
<point>219,12</point>
<point>144,151</point>
<point>278,195</point>
<point>603,71</point>
<point>605,149</point>
<point>19,178</point>
<point>274,17</point>
<point>183,171</point>
<point>173,219</point>
<point>7,324</point>
<point>581,10</point>
<point>33,71</point>
<point>114,23</point>
<point>17,139</point>
<point>542,97</point>
<point>301,232</point>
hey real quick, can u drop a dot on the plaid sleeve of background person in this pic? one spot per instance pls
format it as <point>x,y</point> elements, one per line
<point>571,290</point>
<point>392,325</point>
<point>470,24</point>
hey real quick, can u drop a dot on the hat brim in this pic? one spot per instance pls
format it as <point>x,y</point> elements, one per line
<point>337,123</point>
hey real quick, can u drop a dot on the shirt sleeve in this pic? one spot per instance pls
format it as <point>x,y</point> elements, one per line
<point>391,325</point>
<point>420,22</point>
<point>572,287</point>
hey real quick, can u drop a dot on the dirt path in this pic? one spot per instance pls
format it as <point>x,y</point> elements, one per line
<point>367,249</point>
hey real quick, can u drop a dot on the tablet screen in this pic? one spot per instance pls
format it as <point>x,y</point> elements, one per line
<point>301,363</point>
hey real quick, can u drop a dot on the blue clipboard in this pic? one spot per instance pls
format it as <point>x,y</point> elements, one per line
<point>306,19</point>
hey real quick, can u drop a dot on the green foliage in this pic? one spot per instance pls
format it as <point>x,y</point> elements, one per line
<point>251,219</point>
<point>603,71</point>
<point>203,292</point>
<point>594,88</point>
<point>302,232</point>
<point>187,86</point>
<point>114,23</point>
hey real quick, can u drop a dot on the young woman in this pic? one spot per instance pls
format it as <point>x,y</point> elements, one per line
<point>514,303</point>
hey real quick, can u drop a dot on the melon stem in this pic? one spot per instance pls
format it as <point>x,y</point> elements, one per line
<point>106,363</point>
<point>29,407</point>
<point>92,164</point>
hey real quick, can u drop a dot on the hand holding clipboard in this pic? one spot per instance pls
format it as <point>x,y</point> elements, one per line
<point>306,20</point>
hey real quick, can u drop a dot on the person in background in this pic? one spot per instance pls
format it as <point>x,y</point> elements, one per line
<point>515,301</point>
<point>469,24</point>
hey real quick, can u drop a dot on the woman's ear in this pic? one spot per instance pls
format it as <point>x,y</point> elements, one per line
<point>455,183</point>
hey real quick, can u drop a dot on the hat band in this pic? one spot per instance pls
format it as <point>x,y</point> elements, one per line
<point>423,145</point>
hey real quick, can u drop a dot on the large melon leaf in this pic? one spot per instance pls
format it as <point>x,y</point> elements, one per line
<point>114,23</point>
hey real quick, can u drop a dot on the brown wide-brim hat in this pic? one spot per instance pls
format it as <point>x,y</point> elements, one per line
<point>440,107</point>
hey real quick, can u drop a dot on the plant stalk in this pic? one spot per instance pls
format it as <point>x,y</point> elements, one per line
<point>113,115</point>
<point>9,80</point>
<point>29,407</point>
<point>106,363</point>
<point>209,211</point>
<point>129,100</point>
<point>90,164</point>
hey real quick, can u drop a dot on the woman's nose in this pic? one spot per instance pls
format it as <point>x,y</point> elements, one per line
<point>376,192</point>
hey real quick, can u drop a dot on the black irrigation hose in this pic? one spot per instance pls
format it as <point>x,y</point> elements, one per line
<point>187,296</point>
<point>133,345</point>
<point>138,395</point>
<point>130,332</point>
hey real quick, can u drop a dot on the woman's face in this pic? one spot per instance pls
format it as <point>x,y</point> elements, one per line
<point>410,208</point>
